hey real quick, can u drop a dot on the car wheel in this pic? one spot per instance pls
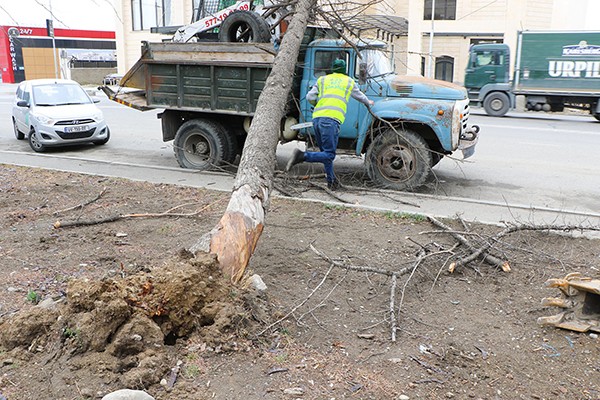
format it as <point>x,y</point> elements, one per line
<point>18,134</point>
<point>34,142</point>
<point>103,141</point>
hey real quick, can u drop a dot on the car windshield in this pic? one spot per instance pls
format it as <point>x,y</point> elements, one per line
<point>57,95</point>
<point>377,61</point>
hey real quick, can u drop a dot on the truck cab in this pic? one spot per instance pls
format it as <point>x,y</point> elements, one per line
<point>487,77</point>
<point>409,113</point>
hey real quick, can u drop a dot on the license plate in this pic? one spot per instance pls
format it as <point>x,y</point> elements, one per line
<point>79,128</point>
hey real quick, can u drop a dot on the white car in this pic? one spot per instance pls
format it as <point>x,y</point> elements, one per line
<point>57,112</point>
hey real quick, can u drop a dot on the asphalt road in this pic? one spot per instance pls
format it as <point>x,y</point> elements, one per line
<point>536,168</point>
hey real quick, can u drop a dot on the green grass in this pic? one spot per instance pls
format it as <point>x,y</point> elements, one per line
<point>404,216</point>
<point>70,332</point>
<point>191,371</point>
<point>335,207</point>
<point>33,297</point>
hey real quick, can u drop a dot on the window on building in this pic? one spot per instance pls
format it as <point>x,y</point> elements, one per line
<point>147,14</point>
<point>203,8</point>
<point>486,40</point>
<point>444,68</point>
<point>444,9</point>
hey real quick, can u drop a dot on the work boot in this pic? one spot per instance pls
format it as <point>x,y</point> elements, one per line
<point>335,185</point>
<point>297,158</point>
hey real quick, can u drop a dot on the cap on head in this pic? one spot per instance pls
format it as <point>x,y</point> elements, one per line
<point>339,66</point>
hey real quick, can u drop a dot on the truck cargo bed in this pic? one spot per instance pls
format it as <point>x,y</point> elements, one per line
<point>210,76</point>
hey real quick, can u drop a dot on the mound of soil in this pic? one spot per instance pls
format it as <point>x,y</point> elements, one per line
<point>114,302</point>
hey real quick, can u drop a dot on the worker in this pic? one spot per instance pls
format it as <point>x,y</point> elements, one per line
<point>330,96</point>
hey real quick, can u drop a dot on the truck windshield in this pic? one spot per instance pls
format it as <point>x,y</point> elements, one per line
<point>378,62</point>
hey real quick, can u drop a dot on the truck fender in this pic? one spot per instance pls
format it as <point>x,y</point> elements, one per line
<point>416,111</point>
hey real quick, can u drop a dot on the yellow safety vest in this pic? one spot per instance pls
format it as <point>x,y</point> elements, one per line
<point>334,93</point>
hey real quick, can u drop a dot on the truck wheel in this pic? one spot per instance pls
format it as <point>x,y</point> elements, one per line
<point>399,161</point>
<point>200,144</point>
<point>496,104</point>
<point>231,145</point>
<point>436,158</point>
<point>593,108</point>
<point>245,26</point>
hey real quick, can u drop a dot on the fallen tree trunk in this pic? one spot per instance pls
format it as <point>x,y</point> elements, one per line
<point>234,238</point>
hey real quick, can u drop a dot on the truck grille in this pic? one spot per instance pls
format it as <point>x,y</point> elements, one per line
<point>465,118</point>
<point>403,90</point>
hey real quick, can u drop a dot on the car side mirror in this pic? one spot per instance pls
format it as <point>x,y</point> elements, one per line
<point>95,100</point>
<point>23,103</point>
<point>362,73</point>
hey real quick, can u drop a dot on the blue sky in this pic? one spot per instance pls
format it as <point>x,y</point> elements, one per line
<point>72,14</point>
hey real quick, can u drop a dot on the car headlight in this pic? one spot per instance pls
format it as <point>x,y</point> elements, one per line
<point>44,119</point>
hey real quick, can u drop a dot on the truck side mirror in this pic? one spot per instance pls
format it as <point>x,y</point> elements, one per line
<point>362,73</point>
<point>22,103</point>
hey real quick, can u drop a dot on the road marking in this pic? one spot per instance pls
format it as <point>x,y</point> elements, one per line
<point>541,144</point>
<point>545,129</point>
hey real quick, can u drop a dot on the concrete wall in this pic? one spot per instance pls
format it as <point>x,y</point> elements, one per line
<point>90,76</point>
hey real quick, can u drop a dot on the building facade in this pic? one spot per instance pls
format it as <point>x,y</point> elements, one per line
<point>458,24</point>
<point>27,53</point>
<point>437,48</point>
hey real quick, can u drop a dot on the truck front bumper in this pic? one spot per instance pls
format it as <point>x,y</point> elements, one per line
<point>468,140</point>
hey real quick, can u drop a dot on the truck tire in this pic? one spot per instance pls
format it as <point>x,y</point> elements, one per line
<point>436,158</point>
<point>496,104</point>
<point>231,146</point>
<point>594,114</point>
<point>245,26</point>
<point>200,144</point>
<point>400,161</point>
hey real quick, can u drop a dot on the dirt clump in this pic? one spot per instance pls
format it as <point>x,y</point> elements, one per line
<point>121,327</point>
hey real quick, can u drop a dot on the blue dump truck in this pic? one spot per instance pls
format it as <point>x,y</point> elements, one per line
<point>209,92</point>
<point>553,70</point>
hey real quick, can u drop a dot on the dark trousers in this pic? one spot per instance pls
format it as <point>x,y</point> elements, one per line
<point>327,131</point>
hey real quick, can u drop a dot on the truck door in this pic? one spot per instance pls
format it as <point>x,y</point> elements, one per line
<point>321,65</point>
<point>486,65</point>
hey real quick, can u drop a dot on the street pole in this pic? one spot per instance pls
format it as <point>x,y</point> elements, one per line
<point>53,41</point>
<point>430,60</point>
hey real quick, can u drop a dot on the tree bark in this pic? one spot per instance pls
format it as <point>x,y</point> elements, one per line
<point>234,238</point>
